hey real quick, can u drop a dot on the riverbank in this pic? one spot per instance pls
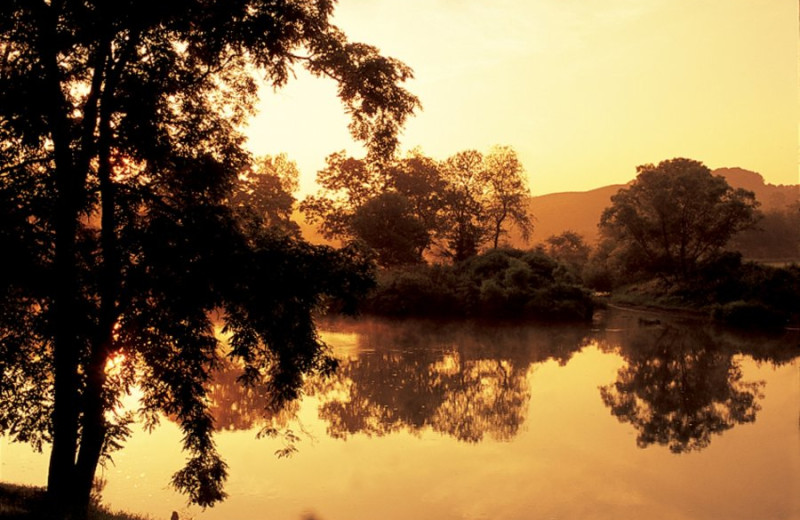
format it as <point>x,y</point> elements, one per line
<point>756,299</point>
<point>29,503</point>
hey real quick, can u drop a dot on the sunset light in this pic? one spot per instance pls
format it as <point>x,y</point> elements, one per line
<point>584,91</point>
<point>429,259</point>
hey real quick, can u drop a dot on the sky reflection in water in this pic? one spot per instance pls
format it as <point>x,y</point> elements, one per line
<point>631,419</point>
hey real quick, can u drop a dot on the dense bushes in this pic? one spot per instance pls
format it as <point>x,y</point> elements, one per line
<point>499,284</point>
<point>744,294</point>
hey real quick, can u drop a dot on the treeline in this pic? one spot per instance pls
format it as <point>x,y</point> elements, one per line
<point>437,230</point>
<point>676,236</point>
<point>670,238</point>
<point>417,208</point>
<point>775,237</point>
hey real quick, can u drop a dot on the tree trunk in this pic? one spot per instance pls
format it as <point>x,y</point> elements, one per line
<point>94,426</point>
<point>93,433</point>
<point>65,352</point>
<point>66,340</point>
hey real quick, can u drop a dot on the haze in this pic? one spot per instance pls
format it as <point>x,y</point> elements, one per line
<point>584,91</point>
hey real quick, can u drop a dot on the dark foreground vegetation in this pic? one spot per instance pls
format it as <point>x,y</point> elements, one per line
<point>732,292</point>
<point>29,503</point>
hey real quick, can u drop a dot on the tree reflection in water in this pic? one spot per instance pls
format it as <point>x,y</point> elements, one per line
<point>680,387</point>
<point>463,382</point>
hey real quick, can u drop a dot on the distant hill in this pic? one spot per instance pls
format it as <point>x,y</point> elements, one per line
<point>771,196</point>
<point>577,211</point>
<point>580,211</point>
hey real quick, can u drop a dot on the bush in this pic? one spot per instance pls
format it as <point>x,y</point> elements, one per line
<point>749,315</point>
<point>500,284</point>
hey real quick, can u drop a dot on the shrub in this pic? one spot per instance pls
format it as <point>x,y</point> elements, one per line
<point>500,284</point>
<point>749,315</point>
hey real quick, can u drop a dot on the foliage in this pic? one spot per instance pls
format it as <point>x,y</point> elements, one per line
<point>776,236</point>
<point>387,224</point>
<point>345,185</point>
<point>675,216</point>
<point>132,213</point>
<point>263,195</point>
<point>746,294</point>
<point>499,284</point>
<point>570,249</point>
<point>461,203</point>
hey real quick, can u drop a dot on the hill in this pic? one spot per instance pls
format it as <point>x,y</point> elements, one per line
<point>580,211</point>
<point>577,211</point>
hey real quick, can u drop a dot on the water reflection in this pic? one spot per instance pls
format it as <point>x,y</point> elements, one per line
<point>681,383</point>
<point>236,407</point>
<point>680,387</point>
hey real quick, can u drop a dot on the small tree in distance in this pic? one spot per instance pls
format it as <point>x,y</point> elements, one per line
<point>674,217</point>
<point>508,193</point>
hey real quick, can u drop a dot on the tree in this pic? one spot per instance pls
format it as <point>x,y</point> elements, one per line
<point>465,227</point>
<point>507,198</point>
<point>570,249</point>
<point>120,149</point>
<point>462,203</point>
<point>388,225</point>
<point>675,216</point>
<point>345,184</point>
<point>263,195</point>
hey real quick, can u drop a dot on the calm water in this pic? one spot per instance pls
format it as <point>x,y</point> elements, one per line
<point>629,419</point>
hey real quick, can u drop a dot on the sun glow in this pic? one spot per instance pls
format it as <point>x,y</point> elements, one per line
<point>583,91</point>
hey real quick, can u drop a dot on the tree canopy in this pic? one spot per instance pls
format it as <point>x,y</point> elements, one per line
<point>120,160</point>
<point>462,203</point>
<point>674,216</point>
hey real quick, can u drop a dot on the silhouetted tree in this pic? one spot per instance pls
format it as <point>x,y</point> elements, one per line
<point>465,227</point>
<point>508,193</point>
<point>349,185</point>
<point>263,195</point>
<point>388,226</point>
<point>120,149</point>
<point>419,179</point>
<point>345,184</point>
<point>570,249</point>
<point>462,203</point>
<point>675,216</point>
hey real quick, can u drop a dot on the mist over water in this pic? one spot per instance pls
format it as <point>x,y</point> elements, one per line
<point>635,416</point>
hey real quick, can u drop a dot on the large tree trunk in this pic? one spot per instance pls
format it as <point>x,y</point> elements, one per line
<point>66,349</point>
<point>93,434</point>
<point>94,426</point>
<point>66,339</point>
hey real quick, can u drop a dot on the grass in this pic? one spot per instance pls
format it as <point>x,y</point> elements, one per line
<point>29,503</point>
<point>652,295</point>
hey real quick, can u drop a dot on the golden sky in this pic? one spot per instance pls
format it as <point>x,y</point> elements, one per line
<point>584,90</point>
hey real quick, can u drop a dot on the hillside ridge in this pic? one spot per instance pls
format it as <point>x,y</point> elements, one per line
<point>580,211</point>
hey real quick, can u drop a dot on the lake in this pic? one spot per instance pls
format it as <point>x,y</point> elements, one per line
<point>639,416</point>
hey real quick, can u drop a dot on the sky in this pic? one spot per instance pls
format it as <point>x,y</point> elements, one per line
<point>583,90</point>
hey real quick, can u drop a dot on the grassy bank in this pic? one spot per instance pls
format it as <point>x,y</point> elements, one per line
<point>29,503</point>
